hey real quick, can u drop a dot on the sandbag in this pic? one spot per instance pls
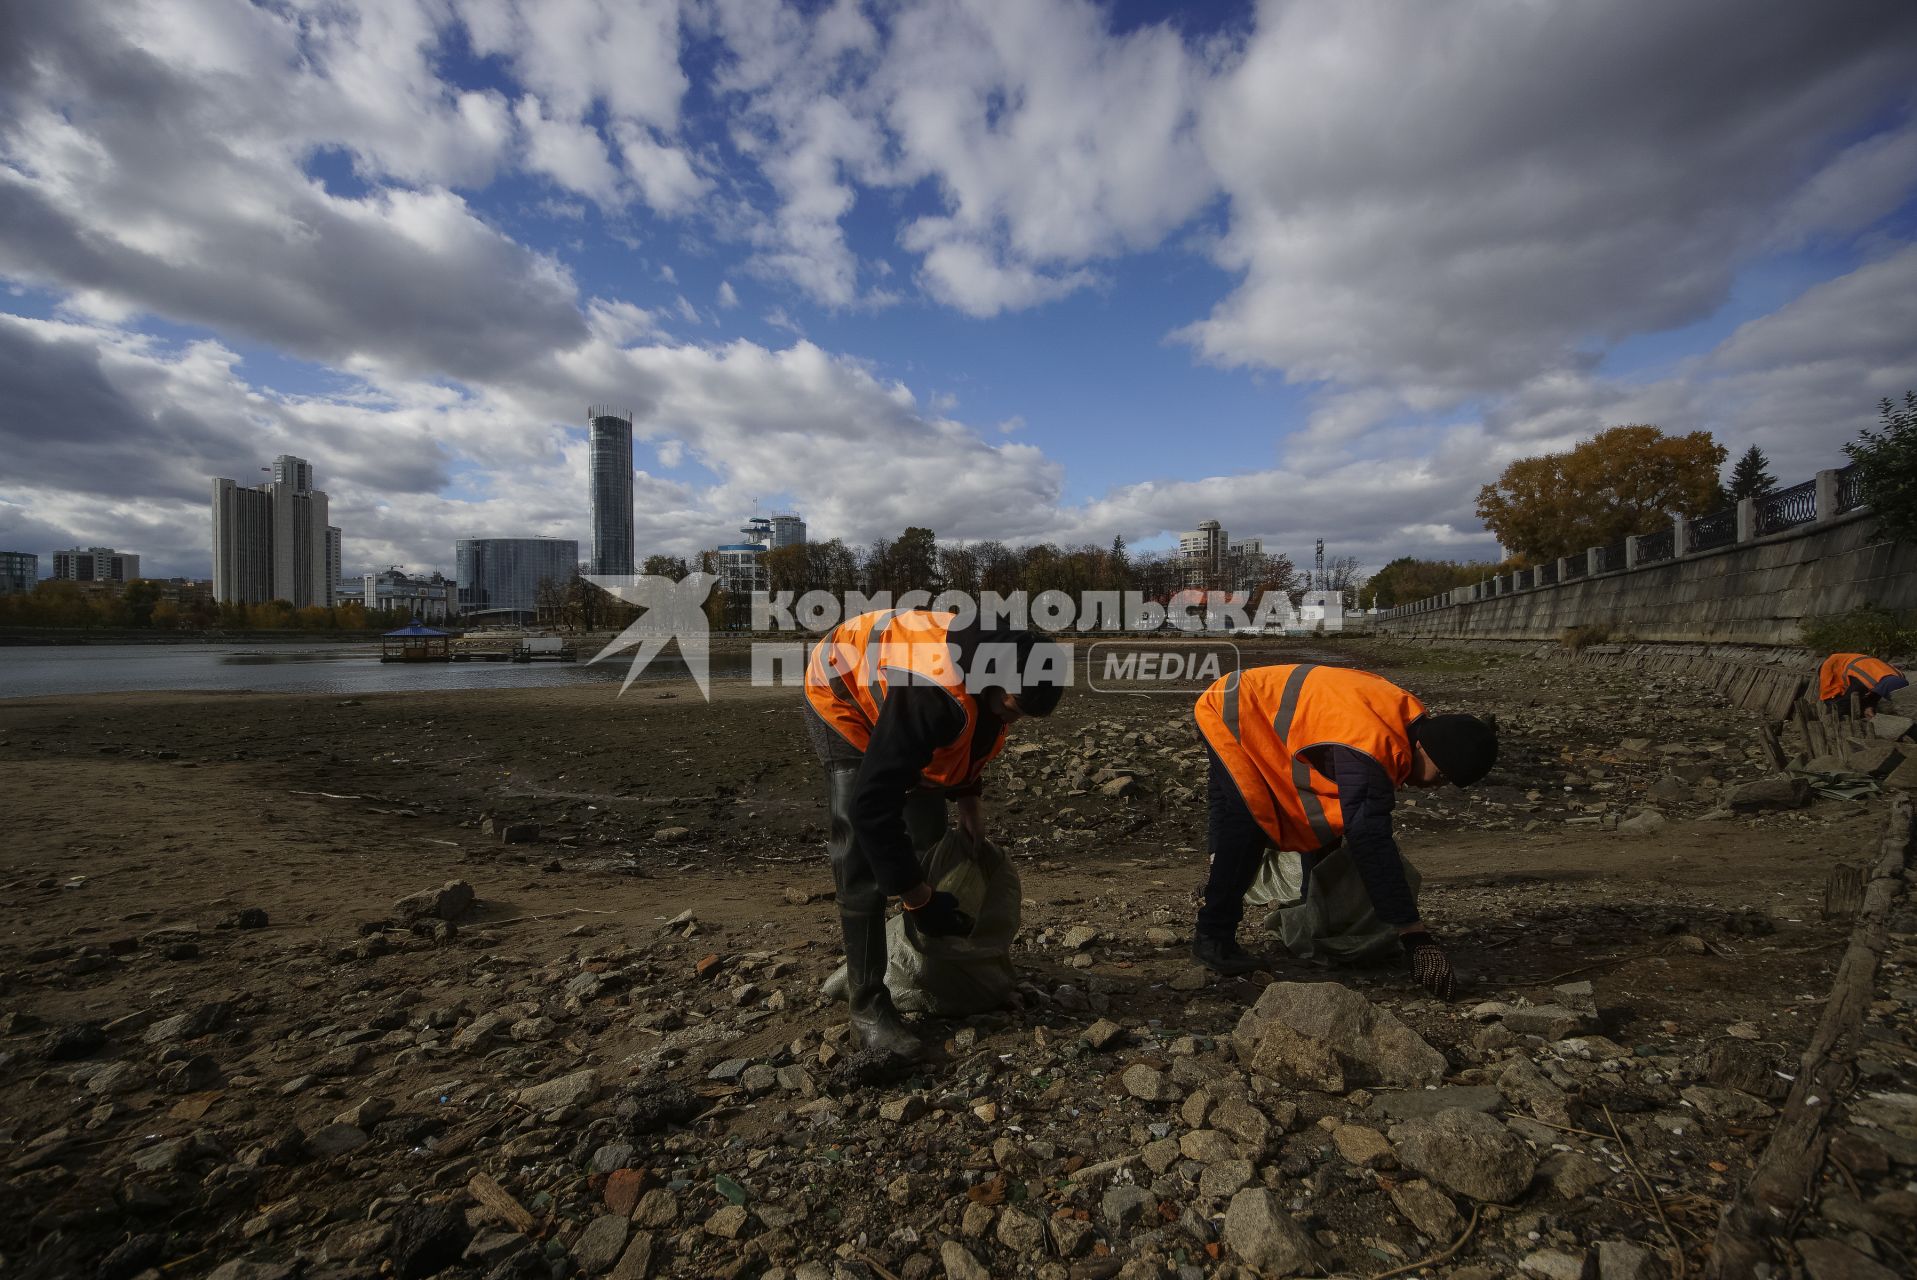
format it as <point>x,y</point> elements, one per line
<point>1330,917</point>
<point>954,977</point>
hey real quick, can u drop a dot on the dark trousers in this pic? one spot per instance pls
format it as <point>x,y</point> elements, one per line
<point>858,889</point>
<point>1237,845</point>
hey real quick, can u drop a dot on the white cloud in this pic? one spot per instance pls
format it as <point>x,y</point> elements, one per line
<point>728,296</point>
<point>1452,200</point>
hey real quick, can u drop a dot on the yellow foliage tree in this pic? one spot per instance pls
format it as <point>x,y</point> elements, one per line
<point>1623,481</point>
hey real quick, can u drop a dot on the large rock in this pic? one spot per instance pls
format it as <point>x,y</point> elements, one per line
<point>1323,1035</point>
<point>1264,1237</point>
<point>1876,758</point>
<point>1779,791</point>
<point>1467,1152</point>
<point>567,1091</point>
<point>448,902</point>
<point>1890,726</point>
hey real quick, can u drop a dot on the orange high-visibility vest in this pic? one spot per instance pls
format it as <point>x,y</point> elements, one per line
<point>1834,677</point>
<point>851,670</point>
<point>1262,721</point>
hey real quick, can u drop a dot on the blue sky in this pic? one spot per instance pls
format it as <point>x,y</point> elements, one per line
<point>1015,268</point>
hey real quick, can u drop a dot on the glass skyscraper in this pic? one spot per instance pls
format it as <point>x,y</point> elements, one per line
<point>611,438</point>
<point>499,578</point>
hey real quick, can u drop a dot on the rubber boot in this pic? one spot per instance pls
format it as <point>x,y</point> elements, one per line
<point>862,920</point>
<point>874,1021</point>
<point>1222,954</point>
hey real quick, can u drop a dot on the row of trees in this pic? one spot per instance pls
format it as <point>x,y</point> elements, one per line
<point>144,605</point>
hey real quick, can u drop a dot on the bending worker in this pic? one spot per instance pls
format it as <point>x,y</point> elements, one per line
<point>1304,757</point>
<point>1872,679</point>
<point>905,710</point>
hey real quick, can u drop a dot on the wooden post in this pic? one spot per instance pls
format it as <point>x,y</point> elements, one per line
<point>1773,749</point>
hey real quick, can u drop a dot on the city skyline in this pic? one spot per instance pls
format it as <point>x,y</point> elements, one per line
<point>1048,271</point>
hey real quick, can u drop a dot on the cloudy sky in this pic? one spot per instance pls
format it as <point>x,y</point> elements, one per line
<point>1029,269</point>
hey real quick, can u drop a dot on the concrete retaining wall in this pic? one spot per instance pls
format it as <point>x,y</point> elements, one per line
<point>1754,592</point>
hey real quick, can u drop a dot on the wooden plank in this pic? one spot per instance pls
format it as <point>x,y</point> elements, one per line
<point>1785,1174</point>
<point>499,1202</point>
<point>1844,892</point>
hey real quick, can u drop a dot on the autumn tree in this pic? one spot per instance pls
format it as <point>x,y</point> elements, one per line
<point>1887,468</point>
<point>674,567</point>
<point>1751,477</point>
<point>1623,481</point>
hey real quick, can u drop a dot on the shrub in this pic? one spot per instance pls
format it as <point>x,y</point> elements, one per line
<point>1868,629</point>
<point>1575,638</point>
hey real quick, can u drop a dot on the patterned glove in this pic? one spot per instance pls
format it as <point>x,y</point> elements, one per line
<point>1429,965</point>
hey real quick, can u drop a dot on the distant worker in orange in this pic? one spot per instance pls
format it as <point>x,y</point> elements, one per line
<point>1872,679</point>
<point>1306,757</point>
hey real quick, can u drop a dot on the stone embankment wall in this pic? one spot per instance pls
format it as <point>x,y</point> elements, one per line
<point>1757,592</point>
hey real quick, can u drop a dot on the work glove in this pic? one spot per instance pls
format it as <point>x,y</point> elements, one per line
<point>941,917</point>
<point>1429,965</point>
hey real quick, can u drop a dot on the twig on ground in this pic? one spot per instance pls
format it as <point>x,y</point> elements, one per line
<point>874,1263</point>
<point>1565,1128</point>
<point>1437,1259</point>
<point>1650,1190</point>
<point>551,915</point>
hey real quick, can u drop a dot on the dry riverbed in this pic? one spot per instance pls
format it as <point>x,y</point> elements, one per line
<point>226,1048</point>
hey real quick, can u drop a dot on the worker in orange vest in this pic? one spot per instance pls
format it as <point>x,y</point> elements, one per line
<point>904,710</point>
<point>1306,757</point>
<point>1843,674</point>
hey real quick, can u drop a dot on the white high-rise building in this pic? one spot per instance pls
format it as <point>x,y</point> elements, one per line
<point>95,564</point>
<point>272,542</point>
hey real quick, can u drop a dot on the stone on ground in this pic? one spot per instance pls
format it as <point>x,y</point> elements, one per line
<point>1264,1237</point>
<point>450,901</point>
<point>1323,1035</point>
<point>1467,1152</point>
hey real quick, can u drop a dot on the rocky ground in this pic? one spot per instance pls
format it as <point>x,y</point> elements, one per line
<point>524,984</point>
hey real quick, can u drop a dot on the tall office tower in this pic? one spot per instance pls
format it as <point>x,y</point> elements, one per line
<point>242,543</point>
<point>270,541</point>
<point>332,565</point>
<point>611,438</point>
<point>297,472</point>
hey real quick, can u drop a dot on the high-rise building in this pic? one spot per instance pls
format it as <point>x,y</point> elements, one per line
<point>788,530</point>
<point>1203,551</point>
<point>499,579</point>
<point>271,541</point>
<point>19,571</point>
<point>333,556</point>
<point>95,564</point>
<point>611,466</point>
<point>742,564</point>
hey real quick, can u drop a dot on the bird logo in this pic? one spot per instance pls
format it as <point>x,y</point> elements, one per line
<point>674,611</point>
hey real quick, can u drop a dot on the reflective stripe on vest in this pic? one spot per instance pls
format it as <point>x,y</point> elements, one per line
<point>880,642</point>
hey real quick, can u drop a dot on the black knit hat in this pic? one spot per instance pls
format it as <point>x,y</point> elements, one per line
<point>1463,747</point>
